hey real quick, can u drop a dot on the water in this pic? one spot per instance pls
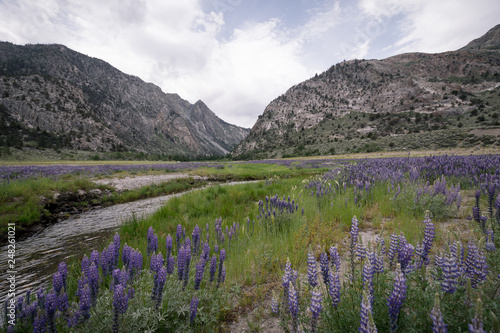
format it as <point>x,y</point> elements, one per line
<point>38,256</point>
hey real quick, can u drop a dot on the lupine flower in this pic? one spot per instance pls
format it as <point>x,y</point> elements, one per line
<point>222,257</point>
<point>450,272</point>
<point>63,302</point>
<point>438,325</point>
<point>334,257</point>
<point>293,301</point>
<point>85,264</point>
<point>150,239</point>
<point>334,286</point>
<point>40,323</point>
<point>63,270</point>
<point>181,262</point>
<point>393,248</point>
<point>196,239</point>
<point>367,325</point>
<point>312,273</point>
<point>186,267</point>
<point>169,244</point>
<point>200,267</point>
<point>397,297</point>
<point>94,281</point>
<point>85,302</point>
<point>476,267</point>
<point>51,304</point>
<point>360,250</point>
<point>324,264</point>
<point>315,309</point>
<point>57,282</point>
<point>160,283</point>
<point>193,310</point>
<point>368,279</point>
<point>213,267</point>
<point>354,241</point>
<point>429,234</point>
<point>178,236</point>
<point>94,256</point>
<point>170,265</point>
<point>120,304</point>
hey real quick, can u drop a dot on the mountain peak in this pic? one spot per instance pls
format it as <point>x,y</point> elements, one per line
<point>489,41</point>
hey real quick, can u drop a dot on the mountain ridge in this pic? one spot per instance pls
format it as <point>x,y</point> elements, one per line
<point>439,90</point>
<point>82,102</point>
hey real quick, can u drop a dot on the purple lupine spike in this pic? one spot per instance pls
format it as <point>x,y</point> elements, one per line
<point>393,248</point>
<point>274,305</point>
<point>334,257</point>
<point>186,267</point>
<point>360,251</point>
<point>213,267</point>
<point>353,244</point>
<point>293,301</point>
<point>150,238</point>
<point>94,257</point>
<point>368,279</point>
<point>196,239</point>
<point>312,273</point>
<point>85,303</point>
<point>162,277</point>
<point>40,323</point>
<point>200,267</point>
<point>397,297</point>
<point>223,274</point>
<point>170,265</point>
<point>57,282</point>
<point>40,296</point>
<point>438,325</point>
<point>429,234</point>
<point>334,286</point>
<point>127,250</point>
<point>178,236</point>
<point>315,309</point>
<point>120,304</point>
<point>181,262</point>
<point>63,270</point>
<point>450,273</point>
<point>85,264</point>
<point>476,267</point>
<point>94,281</point>
<point>324,264</point>
<point>193,309</point>
<point>367,325</point>
<point>131,293</point>
<point>206,251</point>
<point>169,245</point>
<point>62,302</point>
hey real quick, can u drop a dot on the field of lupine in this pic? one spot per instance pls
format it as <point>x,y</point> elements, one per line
<point>290,249</point>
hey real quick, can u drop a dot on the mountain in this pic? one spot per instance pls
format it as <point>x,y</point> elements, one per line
<point>52,96</point>
<point>408,101</point>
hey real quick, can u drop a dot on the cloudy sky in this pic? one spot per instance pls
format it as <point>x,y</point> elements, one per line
<point>238,55</point>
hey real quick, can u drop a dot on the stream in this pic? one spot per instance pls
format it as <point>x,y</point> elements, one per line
<point>38,256</point>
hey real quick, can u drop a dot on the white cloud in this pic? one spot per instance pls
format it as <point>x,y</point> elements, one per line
<point>435,26</point>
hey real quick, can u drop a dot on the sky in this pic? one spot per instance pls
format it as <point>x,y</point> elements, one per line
<point>238,55</point>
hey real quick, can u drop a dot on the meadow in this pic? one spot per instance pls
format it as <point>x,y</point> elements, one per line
<point>400,244</point>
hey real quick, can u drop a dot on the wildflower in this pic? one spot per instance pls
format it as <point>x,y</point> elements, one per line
<point>63,270</point>
<point>323,262</point>
<point>200,266</point>
<point>368,280</point>
<point>397,297</point>
<point>94,280</point>
<point>170,265</point>
<point>312,274</point>
<point>293,301</point>
<point>438,325</point>
<point>315,309</point>
<point>367,325</point>
<point>85,302</point>
<point>181,261</point>
<point>51,304</point>
<point>490,240</point>
<point>160,283</point>
<point>334,257</point>
<point>476,267</point>
<point>186,267</point>
<point>57,282</point>
<point>193,310</point>
<point>213,267</point>
<point>120,304</point>
<point>393,247</point>
<point>450,272</point>
<point>334,286</point>
<point>222,257</point>
<point>40,323</point>
<point>196,239</point>
<point>169,244</point>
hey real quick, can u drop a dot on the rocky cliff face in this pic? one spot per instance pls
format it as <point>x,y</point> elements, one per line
<point>79,102</point>
<point>418,92</point>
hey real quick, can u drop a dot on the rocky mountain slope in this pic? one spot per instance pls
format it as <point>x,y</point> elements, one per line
<point>408,101</point>
<point>51,96</point>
